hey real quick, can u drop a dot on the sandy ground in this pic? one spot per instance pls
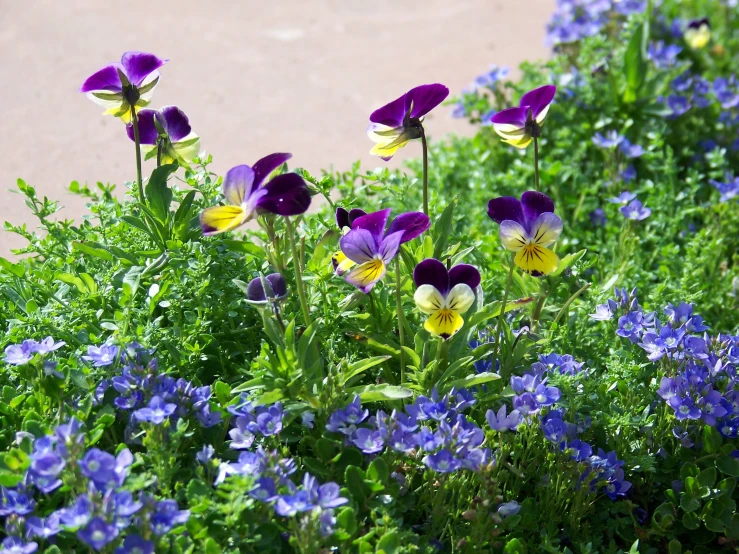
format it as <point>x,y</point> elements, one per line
<point>254,77</point>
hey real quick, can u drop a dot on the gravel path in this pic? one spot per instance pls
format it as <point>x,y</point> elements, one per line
<point>254,77</point>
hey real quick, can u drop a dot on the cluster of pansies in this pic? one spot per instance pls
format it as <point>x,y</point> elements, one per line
<point>434,429</point>
<point>104,513</point>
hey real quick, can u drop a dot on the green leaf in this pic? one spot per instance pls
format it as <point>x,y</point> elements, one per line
<point>131,281</point>
<point>728,465</point>
<point>158,194</point>
<point>711,439</point>
<point>568,261</point>
<point>139,224</point>
<point>92,251</point>
<point>689,503</point>
<point>471,381</point>
<point>346,519</point>
<point>635,62</point>
<point>16,269</point>
<point>378,471</point>
<point>361,366</point>
<point>389,543</point>
<point>691,521</point>
<point>373,393</point>
<point>707,477</point>
<point>354,478</point>
<point>443,229</point>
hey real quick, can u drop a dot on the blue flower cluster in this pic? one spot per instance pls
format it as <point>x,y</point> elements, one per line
<point>153,397</point>
<point>487,80</point>
<point>252,420</point>
<point>431,426</point>
<point>100,515</point>
<point>728,189</point>
<point>20,354</point>
<point>575,20</point>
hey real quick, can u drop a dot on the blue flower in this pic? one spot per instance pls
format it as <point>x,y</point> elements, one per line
<point>368,441</point>
<point>134,544</point>
<point>205,454</point>
<point>156,412</point>
<point>555,430</point>
<point>630,150</point>
<point>43,527</point>
<point>728,190</point>
<point>509,508</point>
<point>97,533</point>
<point>16,545</point>
<point>102,356</point>
<point>442,461</point>
<point>501,422</point>
<point>345,421</point>
<point>598,217</point>
<point>684,408</point>
<point>623,198</point>
<point>15,502</point>
<point>635,211</point>
<point>663,57</point>
<point>629,173</point>
<point>78,514</point>
<point>610,140</point>
<point>577,450</point>
<point>105,470</point>
<point>291,504</point>
<point>166,516</point>
<point>664,342</point>
<point>678,105</point>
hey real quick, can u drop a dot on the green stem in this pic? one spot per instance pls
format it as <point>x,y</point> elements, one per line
<point>536,163</point>
<point>537,310</point>
<point>298,273</point>
<point>570,300</point>
<point>501,317</point>
<point>425,148</point>
<point>159,153</point>
<point>401,318</point>
<point>137,142</point>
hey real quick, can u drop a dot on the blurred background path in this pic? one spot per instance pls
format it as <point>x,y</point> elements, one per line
<point>254,78</point>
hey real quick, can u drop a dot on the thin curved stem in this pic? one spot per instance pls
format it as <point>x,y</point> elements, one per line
<point>501,317</point>
<point>536,163</point>
<point>401,318</point>
<point>425,147</point>
<point>298,273</point>
<point>137,142</point>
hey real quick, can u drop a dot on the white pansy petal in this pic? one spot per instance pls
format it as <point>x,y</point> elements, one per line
<point>428,299</point>
<point>546,229</point>
<point>512,235</point>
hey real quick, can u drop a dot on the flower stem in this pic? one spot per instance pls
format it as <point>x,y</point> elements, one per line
<point>137,142</point>
<point>159,153</point>
<point>536,163</point>
<point>298,273</point>
<point>401,319</point>
<point>425,148</point>
<point>570,300</point>
<point>501,317</point>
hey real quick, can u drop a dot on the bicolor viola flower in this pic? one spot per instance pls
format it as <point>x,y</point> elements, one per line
<point>519,126</point>
<point>170,129</point>
<point>271,288</point>
<point>698,33</point>
<point>372,247</point>
<point>400,121</point>
<point>528,227</point>
<point>344,220</point>
<point>248,194</point>
<point>444,295</point>
<point>118,86</point>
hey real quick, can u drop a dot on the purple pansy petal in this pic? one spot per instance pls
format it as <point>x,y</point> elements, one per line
<point>411,223</point>
<point>390,245</point>
<point>355,213</point>
<point>148,133</point>
<point>392,114</point>
<point>538,99</point>
<point>105,79</point>
<point>464,273</point>
<point>373,222</point>
<point>139,65</point>
<point>511,116</point>
<point>534,204</point>
<point>265,166</point>
<point>506,207</point>
<point>342,218</point>
<point>286,194</point>
<point>432,272</point>
<point>175,122</point>
<point>238,183</point>
<point>425,98</point>
<point>359,245</point>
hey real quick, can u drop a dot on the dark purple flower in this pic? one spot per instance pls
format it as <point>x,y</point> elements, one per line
<point>370,245</point>
<point>248,194</point>
<point>270,288</point>
<point>442,461</point>
<point>528,227</point>
<point>167,133</point>
<point>519,126</point>
<point>444,295</point>
<point>101,356</point>
<point>395,124</point>
<point>156,412</point>
<point>345,219</point>
<point>636,211</point>
<point>119,86</point>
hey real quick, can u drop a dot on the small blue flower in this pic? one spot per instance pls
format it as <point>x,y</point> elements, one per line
<point>635,211</point>
<point>156,412</point>
<point>102,356</point>
<point>610,140</point>
<point>501,422</point>
<point>205,454</point>
<point>442,461</point>
<point>623,198</point>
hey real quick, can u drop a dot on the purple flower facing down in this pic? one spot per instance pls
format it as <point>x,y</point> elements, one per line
<point>663,57</point>
<point>443,461</point>
<point>397,123</point>
<point>368,441</point>
<point>635,211</point>
<point>97,533</point>
<point>528,227</point>
<point>555,430</point>
<point>101,356</point>
<point>623,198</point>
<point>249,192</point>
<point>610,140</point>
<point>519,126</point>
<point>119,87</point>
<point>271,288</point>
<point>501,422</point>
<point>166,133</point>
<point>16,545</point>
<point>156,412</point>
<point>134,544</point>
<point>630,150</point>
<point>372,244</point>
<point>444,295</point>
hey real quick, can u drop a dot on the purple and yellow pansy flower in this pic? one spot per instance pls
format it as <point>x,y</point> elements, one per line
<point>397,123</point>
<point>248,194</point>
<point>528,227</point>
<point>698,33</point>
<point>519,126</point>
<point>444,295</point>
<point>372,247</point>
<point>344,220</point>
<point>169,127</point>
<point>118,86</point>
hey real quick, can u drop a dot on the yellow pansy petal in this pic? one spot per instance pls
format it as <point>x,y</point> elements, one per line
<point>220,219</point>
<point>444,323</point>
<point>698,38</point>
<point>428,299</point>
<point>341,263</point>
<point>460,298</point>
<point>536,260</point>
<point>387,150</point>
<point>521,143</point>
<point>365,275</point>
